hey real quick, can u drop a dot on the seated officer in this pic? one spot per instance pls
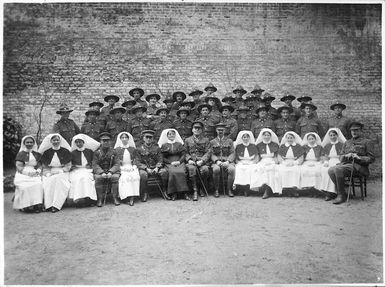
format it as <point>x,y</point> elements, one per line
<point>197,156</point>
<point>106,168</point>
<point>222,156</point>
<point>149,161</point>
<point>357,154</point>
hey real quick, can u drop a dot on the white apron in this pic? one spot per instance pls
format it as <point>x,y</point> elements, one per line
<point>326,183</point>
<point>129,179</point>
<point>311,171</point>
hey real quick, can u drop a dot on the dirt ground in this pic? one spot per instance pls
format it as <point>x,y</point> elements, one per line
<point>212,241</point>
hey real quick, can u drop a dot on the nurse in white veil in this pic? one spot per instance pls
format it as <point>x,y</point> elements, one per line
<point>56,163</point>
<point>246,158</point>
<point>29,187</point>
<point>129,180</point>
<point>81,175</point>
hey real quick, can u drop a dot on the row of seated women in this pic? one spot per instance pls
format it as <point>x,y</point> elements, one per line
<point>49,175</point>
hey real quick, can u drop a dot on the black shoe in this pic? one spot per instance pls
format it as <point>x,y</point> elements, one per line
<point>174,196</point>
<point>330,196</point>
<point>339,199</point>
<point>201,193</point>
<point>195,196</point>
<point>99,203</point>
<point>131,201</point>
<point>187,197</point>
<point>231,194</point>
<point>54,210</point>
<point>145,197</point>
<point>216,193</point>
<point>116,201</point>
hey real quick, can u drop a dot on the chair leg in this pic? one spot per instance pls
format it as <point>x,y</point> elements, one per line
<point>362,189</point>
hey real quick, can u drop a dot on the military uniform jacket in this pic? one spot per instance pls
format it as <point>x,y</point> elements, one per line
<point>105,113</point>
<point>66,128</point>
<point>309,124</point>
<point>138,125</point>
<point>342,123</point>
<point>273,147</point>
<point>116,127</point>
<point>251,149</point>
<point>282,126</point>
<point>120,152</point>
<point>105,160</point>
<point>99,119</point>
<point>128,117</point>
<point>328,147</point>
<point>92,129</point>
<point>318,151</point>
<point>148,156</point>
<point>364,149</point>
<point>209,125</point>
<point>142,103</point>
<point>295,114</point>
<point>244,124</point>
<point>63,154</point>
<point>272,113</point>
<point>77,155</point>
<point>298,151</point>
<point>222,149</point>
<point>183,127</point>
<point>260,123</point>
<point>231,127</point>
<point>197,148</point>
<point>159,125</point>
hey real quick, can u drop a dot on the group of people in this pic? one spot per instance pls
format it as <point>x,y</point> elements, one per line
<point>242,145</point>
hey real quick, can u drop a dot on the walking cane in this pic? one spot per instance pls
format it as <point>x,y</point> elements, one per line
<point>223,180</point>
<point>201,180</point>
<point>350,182</point>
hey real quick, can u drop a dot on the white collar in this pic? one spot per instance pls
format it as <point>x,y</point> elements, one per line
<point>171,142</point>
<point>56,148</point>
<point>266,142</point>
<point>287,144</point>
<point>311,146</point>
<point>81,149</point>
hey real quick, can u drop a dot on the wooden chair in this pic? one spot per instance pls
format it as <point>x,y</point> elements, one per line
<point>358,180</point>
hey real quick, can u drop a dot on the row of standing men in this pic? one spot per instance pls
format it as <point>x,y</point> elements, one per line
<point>240,111</point>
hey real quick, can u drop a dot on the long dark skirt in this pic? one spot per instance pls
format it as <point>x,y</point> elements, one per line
<point>177,181</point>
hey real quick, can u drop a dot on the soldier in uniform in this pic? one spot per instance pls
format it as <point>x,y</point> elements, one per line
<point>257,92</point>
<point>169,102</point>
<point>149,161</point>
<point>195,94</point>
<point>197,157</point>
<point>208,120</point>
<point>117,124</point>
<point>139,123</point>
<point>96,106</point>
<point>222,156</point>
<point>271,112</point>
<point>193,113</point>
<point>262,121</point>
<point>106,168</point>
<point>339,120</point>
<point>238,92</point>
<point>309,123</point>
<point>161,123</point>
<point>243,120</point>
<point>303,100</point>
<point>231,124</point>
<point>215,104</point>
<point>229,100</point>
<point>357,154</point>
<point>250,102</point>
<point>295,113</point>
<point>210,89</point>
<point>153,105</point>
<point>105,111</point>
<point>92,127</point>
<point>128,116</point>
<point>65,126</point>
<point>284,123</point>
<point>137,94</point>
<point>182,124</point>
<point>178,98</point>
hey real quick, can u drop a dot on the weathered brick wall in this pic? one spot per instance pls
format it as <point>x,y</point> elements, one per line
<point>80,52</point>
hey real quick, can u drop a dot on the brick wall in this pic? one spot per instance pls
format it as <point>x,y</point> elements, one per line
<point>78,52</point>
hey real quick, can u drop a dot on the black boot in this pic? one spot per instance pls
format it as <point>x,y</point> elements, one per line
<point>174,196</point>
<point>231,194</point>
<point>116,201</point>
<point>216,193</point>
<point>144,197</point>
<point>341,198</point>
<point>131,201</point>
<point>267,192</point>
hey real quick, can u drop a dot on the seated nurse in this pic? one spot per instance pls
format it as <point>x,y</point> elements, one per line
<point>313,158</point>
<point>56,162</point>
<point>82,189</point>
<point>29,188</point>
<point>290,157</point>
